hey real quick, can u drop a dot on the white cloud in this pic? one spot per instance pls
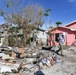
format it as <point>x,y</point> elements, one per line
<point>72,1</point>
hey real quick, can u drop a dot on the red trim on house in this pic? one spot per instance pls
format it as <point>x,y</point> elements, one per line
<point>69,24</point>
<point>62,27</point>
<point>58,27</point>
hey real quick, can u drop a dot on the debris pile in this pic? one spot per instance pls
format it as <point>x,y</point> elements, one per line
<point>28,61</point>
<point>15,60</point>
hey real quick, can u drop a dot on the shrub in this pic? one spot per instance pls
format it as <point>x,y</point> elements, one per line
<point>28,41</point>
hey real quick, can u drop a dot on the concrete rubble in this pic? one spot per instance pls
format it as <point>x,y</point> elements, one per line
<point>33,60</point>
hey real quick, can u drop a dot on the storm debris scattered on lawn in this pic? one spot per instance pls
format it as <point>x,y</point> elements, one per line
<point>21,61</point>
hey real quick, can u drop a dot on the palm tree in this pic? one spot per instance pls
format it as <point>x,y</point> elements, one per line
<point>58,23</point>
<point>47,12</point>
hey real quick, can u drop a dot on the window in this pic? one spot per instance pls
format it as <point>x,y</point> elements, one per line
<point>56,37</point>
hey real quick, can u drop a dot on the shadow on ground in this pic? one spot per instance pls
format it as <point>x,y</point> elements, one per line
<point>52,50</point>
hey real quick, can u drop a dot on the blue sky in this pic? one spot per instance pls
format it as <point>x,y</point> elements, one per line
<point>62,10</point>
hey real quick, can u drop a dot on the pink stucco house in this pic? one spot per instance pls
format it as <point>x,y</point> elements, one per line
<point>69,32</point>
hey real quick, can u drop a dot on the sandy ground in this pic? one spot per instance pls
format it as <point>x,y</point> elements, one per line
<point>66,66</point>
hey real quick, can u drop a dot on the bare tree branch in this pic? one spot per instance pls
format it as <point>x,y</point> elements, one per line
<point>26,17</point>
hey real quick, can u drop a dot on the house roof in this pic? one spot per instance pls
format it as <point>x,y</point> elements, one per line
<point>72,29</point>
<point>70,23</point>
<point>39,29</point>
<point>66,27</point>
<point>58,27</point>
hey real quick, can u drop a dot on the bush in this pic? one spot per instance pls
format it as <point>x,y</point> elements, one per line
<point>11,41</point>
<point>28,41</point>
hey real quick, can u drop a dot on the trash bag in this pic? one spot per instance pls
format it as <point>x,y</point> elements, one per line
<point>39,73</point>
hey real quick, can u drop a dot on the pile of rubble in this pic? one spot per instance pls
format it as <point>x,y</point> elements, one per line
<point>19,60</point>
<point>36,61</point>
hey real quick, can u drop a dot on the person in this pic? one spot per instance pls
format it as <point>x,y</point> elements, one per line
<point>61,42</point>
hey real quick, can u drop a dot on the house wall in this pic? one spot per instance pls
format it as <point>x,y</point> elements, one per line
<point>4,38</point>
<point>70,39</point>
<point>69,36</point>
<point>1,41</point>
<point>42,36</point>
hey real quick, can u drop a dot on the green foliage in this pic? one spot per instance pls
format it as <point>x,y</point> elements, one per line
<point>7,5</point>
<point>58,23</point>
<point>51,27</point>
<point>11,41</point>
<point>13,29</point>
<point>48,10</point>
<point>37,28</point>
<point>46,14</point>
<point>28,41</point>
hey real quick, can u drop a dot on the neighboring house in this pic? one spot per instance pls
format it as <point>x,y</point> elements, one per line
<point>69,33</point>
<point>40,36</point>
<point>3,36</point>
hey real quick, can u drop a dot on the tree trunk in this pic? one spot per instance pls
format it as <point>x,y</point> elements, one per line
<point>16,37</point>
